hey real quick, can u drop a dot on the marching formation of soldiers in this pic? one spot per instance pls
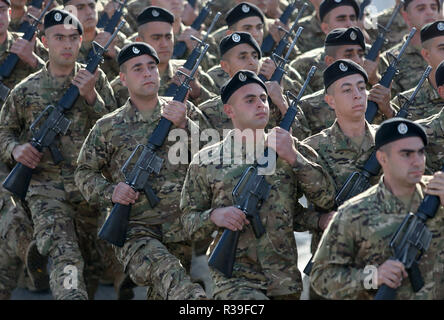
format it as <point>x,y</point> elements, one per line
<point>135,135</point>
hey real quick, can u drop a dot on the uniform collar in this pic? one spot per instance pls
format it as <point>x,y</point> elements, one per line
<point>48,81</point>
<point>132,115</point>
<point>367,143</point>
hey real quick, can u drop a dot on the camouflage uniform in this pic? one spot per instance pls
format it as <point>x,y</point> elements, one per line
<point>206,92</point>
<point>411,67</point>
<point>339,156</point>
<point>155,247</point>
<point>213,110</point>
<point>109,66</point>
<point>57,207</point>
<point>312,37</point>
<point>305,61</point>
<point>265,267</point>
<point>359,236</point>
<point>427,102</point>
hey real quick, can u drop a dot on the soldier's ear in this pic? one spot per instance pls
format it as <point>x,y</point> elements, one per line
<point>330,100</point>
<point>122,78</point>
<point>426,55</point>
<point>329,60</point>
<point>405,16</point>
<point>225,66</point>
<point>228,109</point>
<point>44,40</point>
<point>381,157</point>
<point>441,91</point>
<point>324,27</point>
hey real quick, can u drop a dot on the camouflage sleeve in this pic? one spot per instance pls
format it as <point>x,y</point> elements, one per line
<point>333,275</point>
<point>195,203</point>
<point>105,91</point>
<point>207,88</point>
<point>314,180</point>
<point>120,92</point>
<point>93,158</point>
<point>10,126</point>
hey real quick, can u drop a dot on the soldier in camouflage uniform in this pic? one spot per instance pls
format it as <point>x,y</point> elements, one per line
<point>155,28</point>
<point>428,102</point>
<point>64,225</point>
<point>240,51</point>
<point>264,268</point>
<point>354,256</point>
<point>345,146</point>
<point>155,252</point>
<point>342,44</point>
<point>416,13</point>
<point>16,230</point>
<point>330,15</point>
<point>87,14</point>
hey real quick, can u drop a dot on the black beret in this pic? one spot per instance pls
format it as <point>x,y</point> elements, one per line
<point>56,17</point>
<point>328,5</point>
<point>340,69</point>
<point>7,2</point>
<point>439,74</point>
<point>398,128</point>
<point>432,30</point>
<point>136,49</point>
<point>152,13</point>
<point>237,38</point>
<point>407,2</point>
<point>241,11</point>
<point>344,36</point>
<point>240,79</point>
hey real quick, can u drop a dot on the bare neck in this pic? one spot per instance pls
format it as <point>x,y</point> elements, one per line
<point>352,129</point>
<point>397,188</point>
<point>59,71</point>
<point>145,103</point>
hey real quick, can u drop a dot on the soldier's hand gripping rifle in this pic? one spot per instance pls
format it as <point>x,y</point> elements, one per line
<point>180,48</point>
<point>109,27</point>
<point>25,24</point>
<point>381,39</point>
<point>359,181</point>
<point>195,54</point>
<point>409,242</point>
<point>282,62</point>
<point>387,77</point>
<point>56,123</point>
<point>268,43</point>
<point>248,195</point>
<point>12,59</point>
<point>116,224</point>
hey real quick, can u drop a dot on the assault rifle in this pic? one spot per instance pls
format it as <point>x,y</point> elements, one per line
<point>362,7</point>
<point>110,26</point>
<point>180,48</point>
<point>282,62</point>
<point>25,24</point>
<point>359,181</point>
<point>55,124</point>
<point>192,58</point>
<point>386,80</point>
<point>409,242</point>
<point>248,195</point>
<point>380,40</point>
<point>12,59</point>
<point>115,226</point>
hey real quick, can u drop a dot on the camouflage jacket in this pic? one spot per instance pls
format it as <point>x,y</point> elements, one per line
<point>27,100</point>
<point>305,61</point>
<point>359,236</point>
<point>106,149</point>
<point>411,67</point>
<point>340,156</point>
<point>22,69</point>
<point>312,37</point>
<point>213,110</point>
<point>427,102</point>
<point>207,90</point>
<point>270,262</point>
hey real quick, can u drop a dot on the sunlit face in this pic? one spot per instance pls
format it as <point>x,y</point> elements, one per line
<point>141,76</point>
<point>421,12</point>
<point>159,35</point>
<point>85,11</point>
<point>240,57</point>
<point>63,44</point>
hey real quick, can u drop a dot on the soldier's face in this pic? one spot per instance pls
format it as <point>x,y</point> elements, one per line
<point>175,6</point>
<point>85,11</point>
<point>248,107</point>
<point>159,35</point>
<point>404,163</point>
<point>141,76</point>
<point>421,12</point>
<point>434,53</point>
<point>241,57</point>
<point>348,97</point>
<point>4,17</point>
<point>340,17</point>
<point>252,25</point>
<point>352,52</point>
<point>63,44</point>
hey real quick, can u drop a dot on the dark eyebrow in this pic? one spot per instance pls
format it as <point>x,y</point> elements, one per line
<point>412,150</point>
